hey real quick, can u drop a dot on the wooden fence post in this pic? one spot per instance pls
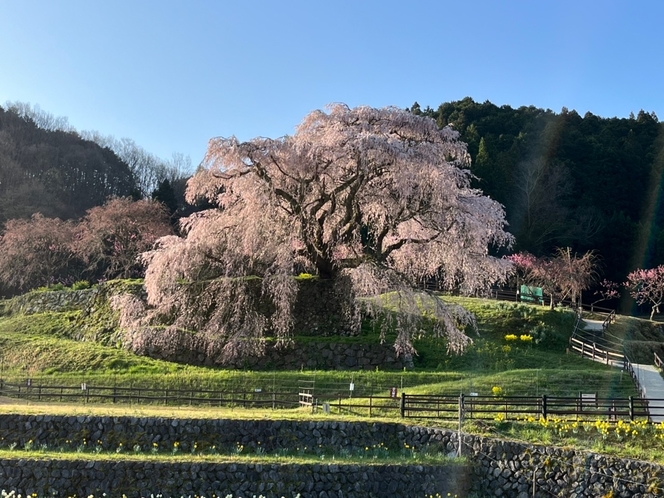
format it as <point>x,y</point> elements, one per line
<point>544,406</point>
<point>631,407</point>
<point>460,440</point>
<point>403,404</point>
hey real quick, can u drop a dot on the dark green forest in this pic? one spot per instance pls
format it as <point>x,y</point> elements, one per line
<point>54,172</point>
<point>585,182</point>
<point>48,167</point>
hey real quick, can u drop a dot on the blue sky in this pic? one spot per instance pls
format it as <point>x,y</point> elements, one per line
<point>173,74</point>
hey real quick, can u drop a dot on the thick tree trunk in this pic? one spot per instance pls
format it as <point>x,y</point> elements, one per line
<point>326,269</point>
<point>655,309</point>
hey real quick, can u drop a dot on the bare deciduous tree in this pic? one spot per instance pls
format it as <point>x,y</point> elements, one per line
<point>374,199</point>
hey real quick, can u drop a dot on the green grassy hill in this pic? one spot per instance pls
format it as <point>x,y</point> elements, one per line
<point>518,347</point>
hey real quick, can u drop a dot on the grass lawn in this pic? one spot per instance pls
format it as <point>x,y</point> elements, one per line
<point>49,348</point>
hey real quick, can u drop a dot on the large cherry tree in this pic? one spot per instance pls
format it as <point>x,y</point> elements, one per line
<point>376,200</point>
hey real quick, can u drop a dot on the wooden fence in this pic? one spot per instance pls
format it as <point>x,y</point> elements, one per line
<point>366,406</point>
<point>448,407</point>
<point>580,343</point>
<point>511,295</point>
<point>519,407</point>
<point>140,395</point>
<point>596,353</point>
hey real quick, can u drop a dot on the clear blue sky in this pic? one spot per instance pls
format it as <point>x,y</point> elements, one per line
<point>172,74</point>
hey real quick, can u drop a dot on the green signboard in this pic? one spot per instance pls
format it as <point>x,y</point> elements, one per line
<point>532,294</point>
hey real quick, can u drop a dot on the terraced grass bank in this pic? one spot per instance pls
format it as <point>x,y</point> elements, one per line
<point>247,457</point>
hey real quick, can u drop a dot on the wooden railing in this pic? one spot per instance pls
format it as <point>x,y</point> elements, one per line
<point>141,395</point>
<point>629,366</point>
<point>407,405</point>
<point>596,353</point>
<point>519,407</point>
<point>609,320</point>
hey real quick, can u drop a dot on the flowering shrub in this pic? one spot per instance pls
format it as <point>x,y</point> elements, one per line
<point>511,337</point>
<point>497,391</point>
<point>621,431</point>
<point>526,338</point>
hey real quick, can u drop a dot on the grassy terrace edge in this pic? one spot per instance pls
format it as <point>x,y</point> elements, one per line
<point>646,444</point>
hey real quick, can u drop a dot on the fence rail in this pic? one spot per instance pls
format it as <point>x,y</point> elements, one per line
<point>514,407</point>
<point>596,353</point>
<point>141,395</point>
<point>511,295</point>
<point>444,407</point>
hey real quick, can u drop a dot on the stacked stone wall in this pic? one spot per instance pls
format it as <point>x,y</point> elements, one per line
<point>55,301</point>
<point>61,478</point>
<point>491,467</point>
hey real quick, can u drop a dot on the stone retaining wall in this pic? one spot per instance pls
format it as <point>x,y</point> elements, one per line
<point>497,468</point>
<point>319,355</point>
<point>136,478</point>
<point>57,301</point>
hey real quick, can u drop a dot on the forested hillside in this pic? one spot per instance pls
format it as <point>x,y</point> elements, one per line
<point>48,167</point>
<point>55,173</point>
<point>588,182</point>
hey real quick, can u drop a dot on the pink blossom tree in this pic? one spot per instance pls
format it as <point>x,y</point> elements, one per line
<point>607,290</point>
<point>372,199</point>
<point>571,273</point>
<point>563,276</point>
<point>112,237</point>
<point>36,252</point>
<point>647,286</point>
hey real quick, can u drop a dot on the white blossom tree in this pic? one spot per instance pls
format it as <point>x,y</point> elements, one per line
<point>375,199</point>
